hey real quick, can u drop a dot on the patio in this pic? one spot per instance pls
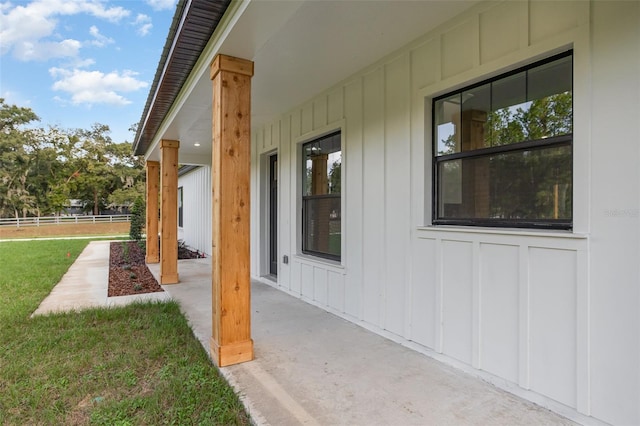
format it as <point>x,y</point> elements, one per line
<point>312,367</point>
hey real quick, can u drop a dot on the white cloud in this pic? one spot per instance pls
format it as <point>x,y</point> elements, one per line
<point>162,4</point>
<point>91,7</point>
<point>28,30</point>
<point>99,39</point>
<point>41,51</point>
<point>95,87</point>
<point>14,98</point>
<point>79,63</point>
<point>144,30</point>
<point>144,24</point>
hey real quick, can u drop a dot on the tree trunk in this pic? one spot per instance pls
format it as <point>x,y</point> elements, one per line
<point>96,210</point>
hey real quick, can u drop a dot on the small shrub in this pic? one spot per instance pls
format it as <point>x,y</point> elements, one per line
<point>137,219</point>
<point>125,251</point>
<point>133,276</point>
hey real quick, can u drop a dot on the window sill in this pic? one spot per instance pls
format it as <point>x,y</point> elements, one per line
<point>503,231</point>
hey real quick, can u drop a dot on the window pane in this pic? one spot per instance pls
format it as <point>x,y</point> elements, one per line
<point>322,166</point>
<point>322,225</point>
<point>520,185</point>
<point>321,196</point>
<point>509,101</point>
<point>550,79</point>
<point>476,104</point>
<point>549,91</point>
<point>447,114</point>
<point>450,190</point>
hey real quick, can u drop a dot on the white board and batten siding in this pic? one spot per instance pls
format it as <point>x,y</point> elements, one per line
<point>196,210</point>
<point>552,316</point>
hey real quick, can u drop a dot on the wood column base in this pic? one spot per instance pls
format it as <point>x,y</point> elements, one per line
<point>169,279</point>
<point>233,353</point>
<point>152,259</point>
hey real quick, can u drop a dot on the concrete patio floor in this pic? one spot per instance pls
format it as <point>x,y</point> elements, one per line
<point>312,367</point>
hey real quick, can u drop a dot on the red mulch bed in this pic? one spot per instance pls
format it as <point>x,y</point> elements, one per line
<point>128,272</point>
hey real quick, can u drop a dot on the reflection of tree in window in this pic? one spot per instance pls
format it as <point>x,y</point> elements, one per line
<point>502,149</point>
<point>539,119</point>
<point>321,197</point>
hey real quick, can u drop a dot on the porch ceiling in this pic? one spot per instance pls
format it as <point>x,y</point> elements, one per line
<point>299,48</point>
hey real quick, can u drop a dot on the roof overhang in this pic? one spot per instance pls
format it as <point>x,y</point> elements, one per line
<point>299,48</point>
<point>193,24</point>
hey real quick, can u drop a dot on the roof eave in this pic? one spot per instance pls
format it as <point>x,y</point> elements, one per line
<point>185,43</point>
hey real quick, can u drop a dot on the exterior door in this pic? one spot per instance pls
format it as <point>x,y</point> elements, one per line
<point>273,215</point>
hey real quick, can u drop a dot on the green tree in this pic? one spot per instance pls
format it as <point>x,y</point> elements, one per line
<point>335,177</point>
<point>129,170</point>
<point>59,152</point>
<point>15,160</point>
<point>103,169</point>
<point>48,170</point>
<point>41,170</point>
<point>137,219</point>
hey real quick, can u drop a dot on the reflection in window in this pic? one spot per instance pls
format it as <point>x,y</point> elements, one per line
<point>180,210</point>
<point>518,185</point>
<point>529,105</point>
<point>503,149</point>
<point>321,202</point>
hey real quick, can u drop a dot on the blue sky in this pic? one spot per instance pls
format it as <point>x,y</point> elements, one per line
<point>79,62</point>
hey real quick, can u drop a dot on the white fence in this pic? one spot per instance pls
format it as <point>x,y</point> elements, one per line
<point>62,220</point>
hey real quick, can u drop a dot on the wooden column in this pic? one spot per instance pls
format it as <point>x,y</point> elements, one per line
<point>320,186</point>
<point>475,174</point>
<point>231,284</point>
<point>153,178</point>
<point>169,212</point>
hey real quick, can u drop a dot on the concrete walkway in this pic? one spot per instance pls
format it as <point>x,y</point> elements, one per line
<point>314,368</point>
<point>86,282</point>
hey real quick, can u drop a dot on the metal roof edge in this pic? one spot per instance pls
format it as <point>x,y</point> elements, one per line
<point>181,24</point>
<point>168,44</point>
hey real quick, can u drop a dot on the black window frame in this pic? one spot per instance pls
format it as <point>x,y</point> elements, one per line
<point>305,199</point>
<point>527,145</point>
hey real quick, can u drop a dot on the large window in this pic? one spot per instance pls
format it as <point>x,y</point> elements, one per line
<point>321,205</point>
<point>503,149</point>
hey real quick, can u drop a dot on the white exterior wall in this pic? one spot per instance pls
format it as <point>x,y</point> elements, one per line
<point>614,210</point>
<point>552,316</point>
<point>196,210</point>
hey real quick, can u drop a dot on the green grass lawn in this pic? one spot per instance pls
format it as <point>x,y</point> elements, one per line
<point>139,364</point>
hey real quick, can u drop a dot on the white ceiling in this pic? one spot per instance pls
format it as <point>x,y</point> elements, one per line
<point>299,49</point>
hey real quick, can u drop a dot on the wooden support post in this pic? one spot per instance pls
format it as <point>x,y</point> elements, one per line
<point>231,160</point>
<point>169,212</point>
<point>320,186</point>
<point>153,178</point>
<point>475,173</point>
